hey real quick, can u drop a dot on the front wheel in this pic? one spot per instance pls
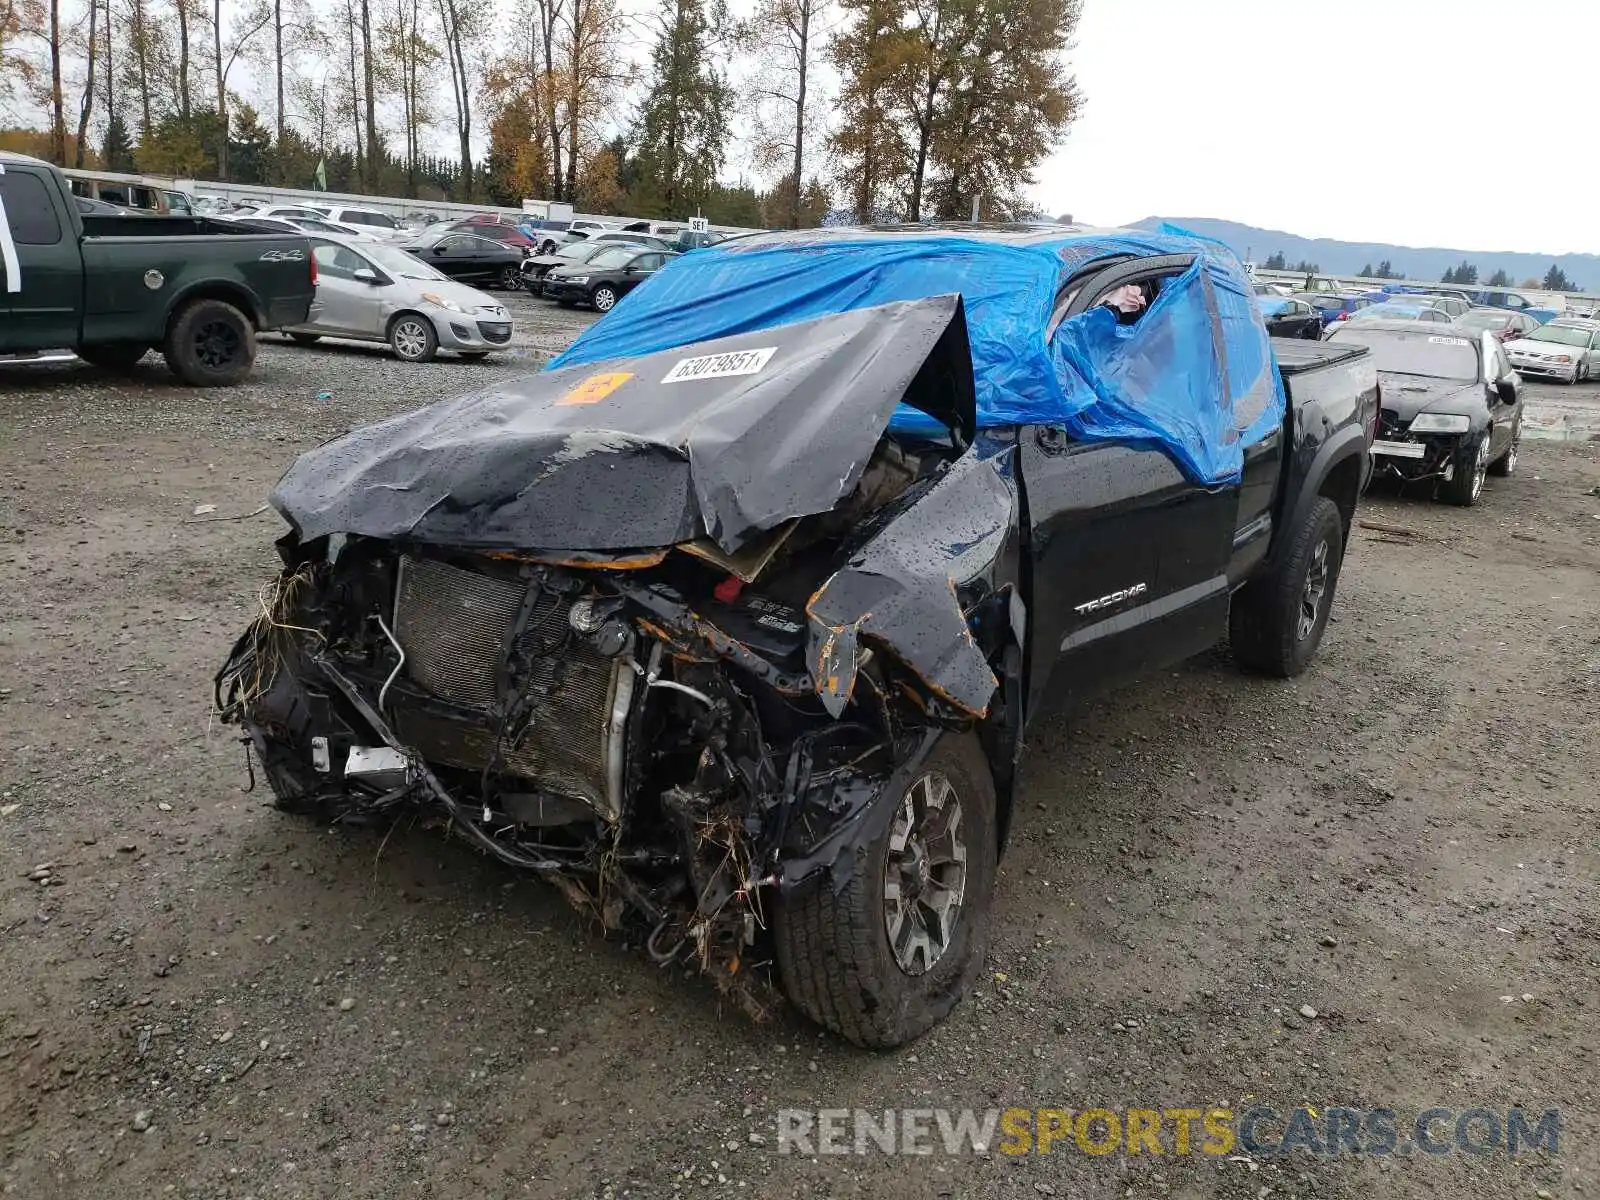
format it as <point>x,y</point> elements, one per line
<point>1276,622</point>
<point>604,298</point>
<point>1506,464</point>
<point>412,338</point>
<point>883,958</point>
<point>210,343</point>
<point>1465,484</point>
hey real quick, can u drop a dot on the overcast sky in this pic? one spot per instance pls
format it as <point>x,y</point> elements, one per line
<point>1316,117</point>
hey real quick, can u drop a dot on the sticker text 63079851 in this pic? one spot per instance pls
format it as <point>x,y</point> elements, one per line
<point>720,366</point>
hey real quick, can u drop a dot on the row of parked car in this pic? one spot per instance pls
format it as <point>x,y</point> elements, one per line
<point>1565,348</point>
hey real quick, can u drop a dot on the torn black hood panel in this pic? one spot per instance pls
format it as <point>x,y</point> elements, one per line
<point>725,438</point>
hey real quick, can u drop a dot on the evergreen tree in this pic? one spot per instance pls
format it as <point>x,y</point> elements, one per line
<point>1500,279</point>
<point>1365,272</point>
<point>116,153</point>
<point>683,123</point>
<point>1276,262</point>
<point>1555,280</point>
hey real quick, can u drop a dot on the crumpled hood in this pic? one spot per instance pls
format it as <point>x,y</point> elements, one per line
<point>1409,395</point>
<point>725,438</point>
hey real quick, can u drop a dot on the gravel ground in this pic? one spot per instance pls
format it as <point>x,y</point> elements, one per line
<point>205,998</point>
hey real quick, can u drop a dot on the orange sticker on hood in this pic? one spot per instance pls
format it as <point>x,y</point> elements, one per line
<point>596,388</point>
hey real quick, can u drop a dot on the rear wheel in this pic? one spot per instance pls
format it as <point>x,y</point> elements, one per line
<point>883,958</point>
<point>210,343</point>
<point>1276,622</point>
<point>412,338</point>
<point>1465,484</point>
<point>604,298</point>
<point>113,356</point>
<point>511,278</point>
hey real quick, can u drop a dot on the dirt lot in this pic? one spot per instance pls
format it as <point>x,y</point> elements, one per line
<point>205,998</point>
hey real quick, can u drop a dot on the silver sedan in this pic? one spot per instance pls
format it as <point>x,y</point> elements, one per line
<point>379,293</point>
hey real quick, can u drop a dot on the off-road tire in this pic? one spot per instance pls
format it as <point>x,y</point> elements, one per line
<point>1464,487</point>
<point>420,344</point>
<point>305,339</point>
<point>832,945</point>
<point>1506,464</point>
<point>114,356</point>
<point>210,343</point>
<point>1264,620</point>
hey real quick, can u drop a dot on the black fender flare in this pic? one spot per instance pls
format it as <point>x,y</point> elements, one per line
<point>1345,444</point>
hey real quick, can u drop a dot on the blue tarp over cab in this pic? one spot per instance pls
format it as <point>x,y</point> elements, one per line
<point>1193,375</point>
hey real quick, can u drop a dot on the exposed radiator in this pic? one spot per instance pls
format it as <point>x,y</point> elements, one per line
<point>452,624</point>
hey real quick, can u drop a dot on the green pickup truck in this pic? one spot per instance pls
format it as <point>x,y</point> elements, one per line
<point>111,288</point>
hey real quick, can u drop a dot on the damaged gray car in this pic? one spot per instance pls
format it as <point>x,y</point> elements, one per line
<point>740,661</point>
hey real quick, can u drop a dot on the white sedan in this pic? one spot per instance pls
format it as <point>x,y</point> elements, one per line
<point>375,292</point>
<point>1568,350</point>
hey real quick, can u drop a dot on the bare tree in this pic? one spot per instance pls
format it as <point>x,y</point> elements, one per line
<point>783,38</point>
<point>370,93</point>
<point>183,9</point>
<point>86,102</point>
<point>58,117</point>
<point>252,24</point>
<point>461,28</point>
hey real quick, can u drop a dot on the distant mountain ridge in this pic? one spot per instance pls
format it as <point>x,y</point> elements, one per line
<point>1412,262</point>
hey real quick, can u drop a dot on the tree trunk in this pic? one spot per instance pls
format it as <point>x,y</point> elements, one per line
<point>86,104</point>
<point>142,49</point>
<point>222,94</point>
<point>371,100</point>
<point>549,12</point>
<point>111,73</point>
<point>355,99</point>
<point>183,58</point>
<point>277,49</point>
<point>803,33</point>
<point>577,66</point>
<point>58,116</point>
<point>459,83</point>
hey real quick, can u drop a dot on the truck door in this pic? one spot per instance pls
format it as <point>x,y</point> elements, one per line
<point>1129,555</point>
<point>41,264</point>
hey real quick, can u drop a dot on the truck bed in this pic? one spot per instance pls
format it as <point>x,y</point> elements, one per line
<point>1296,356</point>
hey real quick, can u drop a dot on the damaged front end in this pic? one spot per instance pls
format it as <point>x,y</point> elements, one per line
<point>685,738</point>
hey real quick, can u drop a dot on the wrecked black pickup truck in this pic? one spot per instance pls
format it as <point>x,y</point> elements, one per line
<point>734,639</point>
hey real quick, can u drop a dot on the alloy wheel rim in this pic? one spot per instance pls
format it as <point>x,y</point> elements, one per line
<point>924,874</point>
<point>1480,466</point>
<point>409,339</point>
<point>216,343</point>
<point>604,299</point>
<point>511,277</point>
<point>1311,594</point>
